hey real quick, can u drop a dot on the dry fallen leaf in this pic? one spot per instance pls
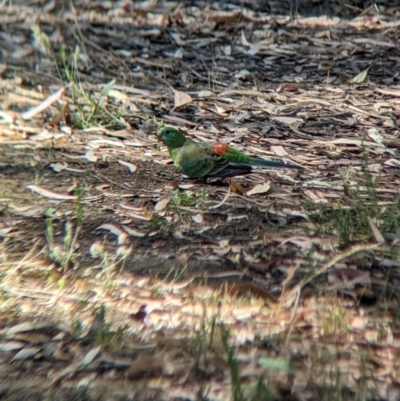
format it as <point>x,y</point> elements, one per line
<point>377,106</point>
<point>43,105</point>
<point>10,346</point>
<point>162,204</point>
<point>73,186</point>
<point>122,133</point>
<point>90,156</point>
<point>116,94</point>
<point>255,47</point>
<point>181,98</point>
<point>122,235</point>
<point>343,78</point>
<point>305,243</point>
<point>316,196</point>
<point>360,78</point>
<point>377,234</point>
<point>392,162</point>
<point>4,231</point>
<point>325,65</point>
<point>236,188</point>
<point>348,277</point>
<point>132,167</point>
<point>198,218</point>
<point>205,93</point>
<point>228,16</point>
<point>388,92</point>
<point>89,357</point>
<point>288,87</point>
<point>146,364</point>
<point>57,167</point>
<point>50,194</point>
<point>26,211</point>
<point>374,134</point>
<point>18,328</point>
<point>61,116</point>
<point>242,73</point>
<point>287,120</point>
<point>259,189</point>
<point>133,232</point>
<point>26,353</point>
<point>279,150</point>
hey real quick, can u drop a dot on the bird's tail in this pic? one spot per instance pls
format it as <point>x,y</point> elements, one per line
<point>271,164</point>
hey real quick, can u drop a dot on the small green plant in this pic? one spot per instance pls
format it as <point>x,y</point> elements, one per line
<point>233,365</point>
<point>261,392</point>
<point>110,260</point>
<point>112,339</point>
<point>41,39</point>
<point>391,221</point>
<point>175,274</point>
<point>62,283</point>
<point>213,341</point>
<point>350,218</point>
<point>102,334</point>
<point>157,223</point>
<point>181,198</point>
<point>201,194</point>
<point>63,253</point>
<point>335,321</point>
<point>71,68</point>
<point>89,109</point>
<point>79,208</point>
<point>76,327</point>
<point>334,220</point>
<point>240,391</point>
<point>203,345</point>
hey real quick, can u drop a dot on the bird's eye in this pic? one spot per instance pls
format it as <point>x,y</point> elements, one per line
<point>167,132</point>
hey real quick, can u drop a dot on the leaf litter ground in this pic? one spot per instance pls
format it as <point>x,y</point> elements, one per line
<point>121,279</point>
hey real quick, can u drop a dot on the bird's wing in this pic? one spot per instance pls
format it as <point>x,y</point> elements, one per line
<point>227,161</point>
<point>197,160</point>
<point>193,160</point>
<point>200,160</point>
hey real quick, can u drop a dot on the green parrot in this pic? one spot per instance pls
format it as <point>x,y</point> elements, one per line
<point>203,160</point>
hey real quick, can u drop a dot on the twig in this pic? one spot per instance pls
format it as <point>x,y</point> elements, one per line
<point>223,200</point>
<point>326,266</point>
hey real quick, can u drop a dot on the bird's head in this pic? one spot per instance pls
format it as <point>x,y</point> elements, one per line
<point>171,137</point>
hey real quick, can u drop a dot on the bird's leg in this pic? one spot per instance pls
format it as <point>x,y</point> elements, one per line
<point>217,181</point>
<point>201,180</point>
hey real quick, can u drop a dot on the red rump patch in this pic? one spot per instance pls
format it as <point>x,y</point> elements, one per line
<point>219,148</point>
